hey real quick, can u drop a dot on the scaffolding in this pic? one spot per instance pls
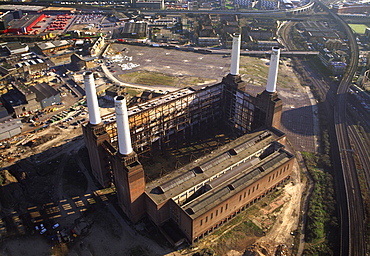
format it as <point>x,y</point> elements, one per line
<point>170,118</point>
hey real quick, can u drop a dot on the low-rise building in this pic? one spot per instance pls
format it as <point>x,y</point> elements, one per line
<point>208,41</point>
<point>333,61</point>
<point>48,47</point>
<point>137,30</point>
<point>46,95</point>
<point>16,47</point>
<point>9,127</point>
<point>20,101</point>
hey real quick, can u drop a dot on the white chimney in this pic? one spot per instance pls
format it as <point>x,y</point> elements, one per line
<point>123,128</point>
<point>273,71</point>
<point>235,55</point>
<point>92,99</point>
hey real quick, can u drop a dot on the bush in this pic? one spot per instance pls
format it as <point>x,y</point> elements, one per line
<point>322,224</point>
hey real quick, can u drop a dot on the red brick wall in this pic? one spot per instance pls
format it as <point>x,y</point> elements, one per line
<point>228,208</point>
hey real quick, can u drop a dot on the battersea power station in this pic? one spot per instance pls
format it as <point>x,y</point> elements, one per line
<point>189,202</point>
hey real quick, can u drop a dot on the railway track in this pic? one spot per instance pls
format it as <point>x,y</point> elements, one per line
<point>353,230</point>
<point>360,145</point>
<point>354,224</point>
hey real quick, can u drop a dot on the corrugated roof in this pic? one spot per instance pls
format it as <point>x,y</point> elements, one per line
<point>177,181</point>
<point>251,142</point>
<point>213,197</point>
<point>243,180</point>
<point>215,161</point>
<point>43,91</point>
<point>135,28</point>
<point>275,160</point>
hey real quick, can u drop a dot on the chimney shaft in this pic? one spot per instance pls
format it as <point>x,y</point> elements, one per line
<point>235,55</point>
<point>123,128</point>
<point>92,99</point>
<point>273,71</point>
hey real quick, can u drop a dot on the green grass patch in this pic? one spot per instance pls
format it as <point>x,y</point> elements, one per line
<point>133,92</point>
<point>322,223</point>
<point>156,78</point>
<point>239,237</point>
<point>358,28</point>
<point>240,232</point>
<point>255,72</point>
<point>149,78</point>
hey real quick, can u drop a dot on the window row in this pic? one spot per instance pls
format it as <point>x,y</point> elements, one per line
<point>278,173</point>
<point>215,213</point>
<point>254,188</point>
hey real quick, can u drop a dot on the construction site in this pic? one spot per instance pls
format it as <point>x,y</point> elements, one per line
<point>191,202</point>
<point>188,161</point>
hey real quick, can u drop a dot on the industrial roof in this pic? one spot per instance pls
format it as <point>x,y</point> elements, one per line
<point>50,45</point>
<point>17,47</point>
<point>43,91</point>
<point>215,196</point>
<point>121,16</point>
<point>14,98</point>
<point>8,124</point>
<point>54,8</point>
<point>25,21</point>
<point>12,7</point>
<point>29,62</point>
<point>135,28</point>
<point>61,43</point>
<point>218,164</point>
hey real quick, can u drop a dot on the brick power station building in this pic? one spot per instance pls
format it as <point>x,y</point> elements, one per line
<point>190,202</point>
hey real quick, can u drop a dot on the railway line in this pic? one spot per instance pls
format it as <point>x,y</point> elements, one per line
<point>356,216</point>
<point>360,145</point>
<point>353,230</point>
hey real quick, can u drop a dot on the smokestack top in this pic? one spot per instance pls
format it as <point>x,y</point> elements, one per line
<point>92,99</point>
<point>273,71</point>
<point>235,55</point>
<point>123,127</point>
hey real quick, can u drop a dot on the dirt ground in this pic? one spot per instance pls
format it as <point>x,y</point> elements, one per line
<point>278,218</point>
<point>111,234</point>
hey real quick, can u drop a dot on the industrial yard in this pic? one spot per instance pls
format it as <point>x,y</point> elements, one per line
<point>68,204</point>
<point>82,208</point>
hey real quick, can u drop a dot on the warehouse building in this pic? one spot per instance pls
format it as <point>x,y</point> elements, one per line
<point>46,95</point>
<point>9,127</point>
<point>137,30</point>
